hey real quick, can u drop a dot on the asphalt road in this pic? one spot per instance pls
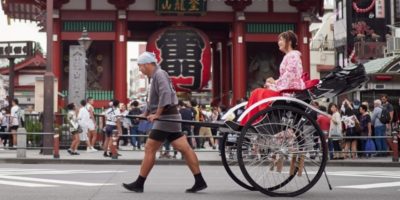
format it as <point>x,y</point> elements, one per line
<point>103,182</point>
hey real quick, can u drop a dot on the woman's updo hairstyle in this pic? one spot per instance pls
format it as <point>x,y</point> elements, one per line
<point>290,36</point>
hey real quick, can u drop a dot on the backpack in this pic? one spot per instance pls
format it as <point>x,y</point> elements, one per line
<point>385,116</point>
<point>135,111</point>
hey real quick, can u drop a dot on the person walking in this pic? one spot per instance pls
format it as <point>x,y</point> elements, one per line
<point>84,120</point>
<point>74,129</point>
<point>162,104</point>
<point>113,122</point>
<point>187,114</point>
<point>126,124</point>
<point>15,120</point>
<point>335,131</point>
<point>366,128</point>
<point>91,123</point>
<point>134,130</point>
<point>3,128</point>
<point>379,129</point>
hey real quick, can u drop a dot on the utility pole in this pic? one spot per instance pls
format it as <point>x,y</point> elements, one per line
<point>48,107</point>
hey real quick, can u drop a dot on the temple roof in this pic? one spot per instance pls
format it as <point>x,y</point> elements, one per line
<point>36,62</point>
<point>22,9</point>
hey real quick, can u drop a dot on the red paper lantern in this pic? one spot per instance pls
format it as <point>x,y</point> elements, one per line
<point>185,53</point>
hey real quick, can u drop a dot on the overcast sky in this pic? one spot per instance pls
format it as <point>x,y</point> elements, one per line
<point>20,30</point>
<point>26,30</point>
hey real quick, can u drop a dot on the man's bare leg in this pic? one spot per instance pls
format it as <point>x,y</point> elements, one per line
<point>181,144</point>
<point>150,151</point>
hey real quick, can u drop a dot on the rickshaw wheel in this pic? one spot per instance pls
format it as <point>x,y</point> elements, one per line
<point>229,159</point>
<point>288,151</point>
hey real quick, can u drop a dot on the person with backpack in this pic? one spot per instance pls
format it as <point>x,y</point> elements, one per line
<point>134,132</point>
<point>379,128</point>
<point>205,132</point>
<point>187,114</point>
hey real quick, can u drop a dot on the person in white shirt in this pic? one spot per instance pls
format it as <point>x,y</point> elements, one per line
<point>15,117</point>
<point>74,129</point>
<point>92,134</point>
<point>3,128</point>
<point>112,116</point>
<point>126,124</point>
<point>83,119</point>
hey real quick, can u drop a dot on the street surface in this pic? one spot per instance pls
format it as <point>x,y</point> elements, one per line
<point>103,182</point>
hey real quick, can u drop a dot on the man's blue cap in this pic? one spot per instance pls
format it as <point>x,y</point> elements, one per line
<point>146,57</point>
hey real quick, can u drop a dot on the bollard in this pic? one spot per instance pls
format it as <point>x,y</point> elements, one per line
<point>21,142</point>
<point>395,149</point>
<point>56,150</point>
<point>114,143</point>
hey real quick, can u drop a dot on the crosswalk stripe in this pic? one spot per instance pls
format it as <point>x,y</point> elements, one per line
<point>374,185</point>
<point>53,181</point>
<point>371,174</point>
<point>24,184</point>
<point>54,172</point>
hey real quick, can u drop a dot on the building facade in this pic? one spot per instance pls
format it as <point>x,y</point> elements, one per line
<point>241,34</point>
<point>360,30</point>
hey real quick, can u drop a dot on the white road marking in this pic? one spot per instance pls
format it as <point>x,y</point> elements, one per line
<point>53,181</point>
<point>24,184</point>
<point>368,174</point>
<point>9,176</point>
<point>53,172</point>
<point>374,185</point>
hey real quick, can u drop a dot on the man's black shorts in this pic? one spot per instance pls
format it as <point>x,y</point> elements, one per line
<point>161,136</point>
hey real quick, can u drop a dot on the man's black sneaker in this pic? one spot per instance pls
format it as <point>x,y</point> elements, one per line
<point>133,187</point>
<point>197,188</point>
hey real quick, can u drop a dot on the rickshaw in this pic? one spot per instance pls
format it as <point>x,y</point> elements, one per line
<point>281,151</point>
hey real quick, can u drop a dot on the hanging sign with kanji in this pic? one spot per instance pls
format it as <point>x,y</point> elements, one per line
<point>185,53</point>
<point>16,49</point>
<point>181,7</point>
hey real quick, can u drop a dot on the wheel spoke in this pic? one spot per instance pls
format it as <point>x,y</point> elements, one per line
<point>286,151</point>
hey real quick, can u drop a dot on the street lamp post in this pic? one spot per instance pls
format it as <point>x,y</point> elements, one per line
<point>85,40</point>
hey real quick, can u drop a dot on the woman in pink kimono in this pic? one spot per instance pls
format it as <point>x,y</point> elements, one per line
<point>290,70</point>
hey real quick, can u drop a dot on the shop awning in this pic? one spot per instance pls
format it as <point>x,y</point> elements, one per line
<point>380,64</point>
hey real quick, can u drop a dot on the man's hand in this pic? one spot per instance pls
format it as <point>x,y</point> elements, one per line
<point>152,117</point>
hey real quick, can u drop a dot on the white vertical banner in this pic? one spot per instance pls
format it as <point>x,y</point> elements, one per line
<point>380,8</point>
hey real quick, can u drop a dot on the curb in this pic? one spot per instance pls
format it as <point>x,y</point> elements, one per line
<point>175,162</point>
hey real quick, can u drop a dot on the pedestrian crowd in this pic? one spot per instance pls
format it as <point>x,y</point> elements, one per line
<point>357,129</point>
